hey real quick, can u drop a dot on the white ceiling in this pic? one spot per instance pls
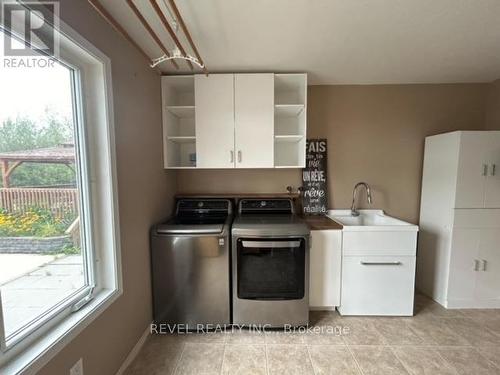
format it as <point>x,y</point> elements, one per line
<point>336,41</point>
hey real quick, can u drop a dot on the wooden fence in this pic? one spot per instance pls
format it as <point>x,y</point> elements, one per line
<point>58,201</point>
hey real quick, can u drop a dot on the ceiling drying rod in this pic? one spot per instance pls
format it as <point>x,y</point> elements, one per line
<point>178,53</point>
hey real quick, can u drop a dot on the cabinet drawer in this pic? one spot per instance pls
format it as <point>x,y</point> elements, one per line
<point>381,285</point>
<point>379,243</point>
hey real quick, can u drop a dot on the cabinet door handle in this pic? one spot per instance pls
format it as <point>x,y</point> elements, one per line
<point>485,169</point>
<point>484,262</point>
<point>232,156</point>
<point>493,169</point>
<point>239,156</point>
<point>380,263</point>
<point>476,265</point>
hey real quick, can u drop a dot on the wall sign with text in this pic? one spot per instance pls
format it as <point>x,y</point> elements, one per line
<point>314,195</point>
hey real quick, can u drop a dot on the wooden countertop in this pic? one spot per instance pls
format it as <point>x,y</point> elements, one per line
<point>237,195</point>
<point>321,223</point>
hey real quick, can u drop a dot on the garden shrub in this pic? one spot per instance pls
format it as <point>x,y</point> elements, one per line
<point>36,222</point>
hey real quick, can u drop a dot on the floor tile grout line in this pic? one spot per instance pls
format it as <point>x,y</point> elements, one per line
<point>310,359</point>
<point>476,348</point>
<point>399,360</point>
<point>267,360</point>
<point>448,364</point>
<point>355,359</point>
<point>223,357</point>
<point>178,362</point>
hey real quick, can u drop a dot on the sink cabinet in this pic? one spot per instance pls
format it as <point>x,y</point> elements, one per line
<point>378,264</point>
<point>377,285</point>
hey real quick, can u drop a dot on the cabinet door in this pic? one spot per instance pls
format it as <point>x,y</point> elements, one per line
<point>254,120</point>
<point>325,268</point>
<point>492,189</point>
<point>377,285</point>
<point>488,277</point>
<point>472,170</point>
<point>463,263</point>
<point>214,117</point>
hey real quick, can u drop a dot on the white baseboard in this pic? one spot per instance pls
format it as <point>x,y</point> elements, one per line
<point>472,303</point>
<point>135,350</point>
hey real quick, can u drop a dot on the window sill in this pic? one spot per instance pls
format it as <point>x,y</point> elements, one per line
<point>37,355</point>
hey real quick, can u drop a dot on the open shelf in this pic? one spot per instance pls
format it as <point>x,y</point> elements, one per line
<point>288,138</point>
<point>288,110</point>
<point>290,94</point>
<point>290,88</point>
<point>180,152</point>
<point>182,111</point>
<point>179,129</point>
<point>178,90</point>
<point>182,139</point>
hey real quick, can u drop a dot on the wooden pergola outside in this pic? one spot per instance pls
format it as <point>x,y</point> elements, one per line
<point>9,161</point>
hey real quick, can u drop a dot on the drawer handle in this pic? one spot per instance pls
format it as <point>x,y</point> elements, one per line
<point>381,263</point>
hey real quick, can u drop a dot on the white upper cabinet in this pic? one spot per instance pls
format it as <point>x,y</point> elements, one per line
<point>214,119</point>
<point>472,170</point>
<point>290,109</point>
<point>254,120</point>
<point>478,183</point>
<point>179,137</point>
<point>492,185</point>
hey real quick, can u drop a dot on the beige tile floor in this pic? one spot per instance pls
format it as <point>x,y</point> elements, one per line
<point>435,341</point>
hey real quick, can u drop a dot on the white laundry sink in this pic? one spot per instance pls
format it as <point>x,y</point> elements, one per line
<point>378,263</point>
<point>369,220</point>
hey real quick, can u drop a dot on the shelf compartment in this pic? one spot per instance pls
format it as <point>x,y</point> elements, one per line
<point>289,154</point>
<point>288,110</point>
<point>290,88</point>
<point>288,138</point>
<point>179,151</point>
<point>182,139</point>
<point>182,111</point>
<point>178,90</point>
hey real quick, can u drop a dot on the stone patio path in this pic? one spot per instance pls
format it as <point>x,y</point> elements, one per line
<point>41,288</point>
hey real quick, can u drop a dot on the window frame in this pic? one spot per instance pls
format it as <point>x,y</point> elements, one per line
<point>92,94</point>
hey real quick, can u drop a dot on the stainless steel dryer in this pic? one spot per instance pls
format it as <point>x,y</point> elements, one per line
<point>190,264</point>
<point>270,264</point>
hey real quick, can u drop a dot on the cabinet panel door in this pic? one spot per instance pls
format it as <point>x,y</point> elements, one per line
<point>471,178</point>
<point>488,278</point>
<point>464,253</point>
<point>492,189</point>
<point>254,120</point>
<point>377,285</point>
<point>325,268</point>
<point>214,114</point>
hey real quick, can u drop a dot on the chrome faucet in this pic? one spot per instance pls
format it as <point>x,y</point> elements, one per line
<point>354,212</point>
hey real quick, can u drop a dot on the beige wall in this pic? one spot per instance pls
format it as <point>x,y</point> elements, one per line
<point>493,107</point>
<point>145,192</point>
<point>375,134</point>
<point>237,181</point>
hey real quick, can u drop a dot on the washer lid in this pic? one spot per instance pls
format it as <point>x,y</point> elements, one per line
<point>174,228</point>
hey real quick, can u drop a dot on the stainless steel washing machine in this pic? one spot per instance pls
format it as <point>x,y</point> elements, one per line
<point>190,265</point>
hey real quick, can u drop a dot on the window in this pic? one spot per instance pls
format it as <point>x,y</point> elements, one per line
<point>59,254</point>
<point>44,258</point>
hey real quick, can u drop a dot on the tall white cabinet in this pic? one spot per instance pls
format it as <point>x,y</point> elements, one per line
<point>459,245</point>
<point>241,120</point>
